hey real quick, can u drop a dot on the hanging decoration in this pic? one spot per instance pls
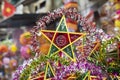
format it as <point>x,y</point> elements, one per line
<point>8,9</point>
<point>13,48</point>
<point>25,52</point>
<point>25,38</point>
<point>71,24</point>
<point>61,40</point>
<point>3,48</point>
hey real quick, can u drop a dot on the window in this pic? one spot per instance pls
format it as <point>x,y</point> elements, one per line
<point>42,4</point>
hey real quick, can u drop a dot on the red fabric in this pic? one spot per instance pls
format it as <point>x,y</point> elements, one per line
<point>8,9</point>
<point>49,34</point>
<point>61,40</point>
<point>73,37</point>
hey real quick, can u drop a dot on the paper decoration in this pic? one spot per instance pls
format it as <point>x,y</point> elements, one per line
<point>13,48</point>
<point>3,49</point>
<point>8,9</point>
<point>117,23</point>
<point>49,73</point>
<point>25,38</point>
<point>25,52</point>
<point>62,40</point>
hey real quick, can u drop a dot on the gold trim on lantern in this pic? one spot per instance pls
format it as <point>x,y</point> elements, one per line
<point>96,78</point>
<point>37,76</point>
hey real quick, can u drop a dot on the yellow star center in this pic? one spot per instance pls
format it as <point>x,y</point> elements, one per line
<point>8,9</point>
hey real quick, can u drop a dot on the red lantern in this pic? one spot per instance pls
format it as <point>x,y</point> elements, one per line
<point>25,38</point>
<point>8,9</point>
<point>3,48</point>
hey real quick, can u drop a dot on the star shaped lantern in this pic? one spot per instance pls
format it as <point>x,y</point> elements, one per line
<point>61,40</point>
